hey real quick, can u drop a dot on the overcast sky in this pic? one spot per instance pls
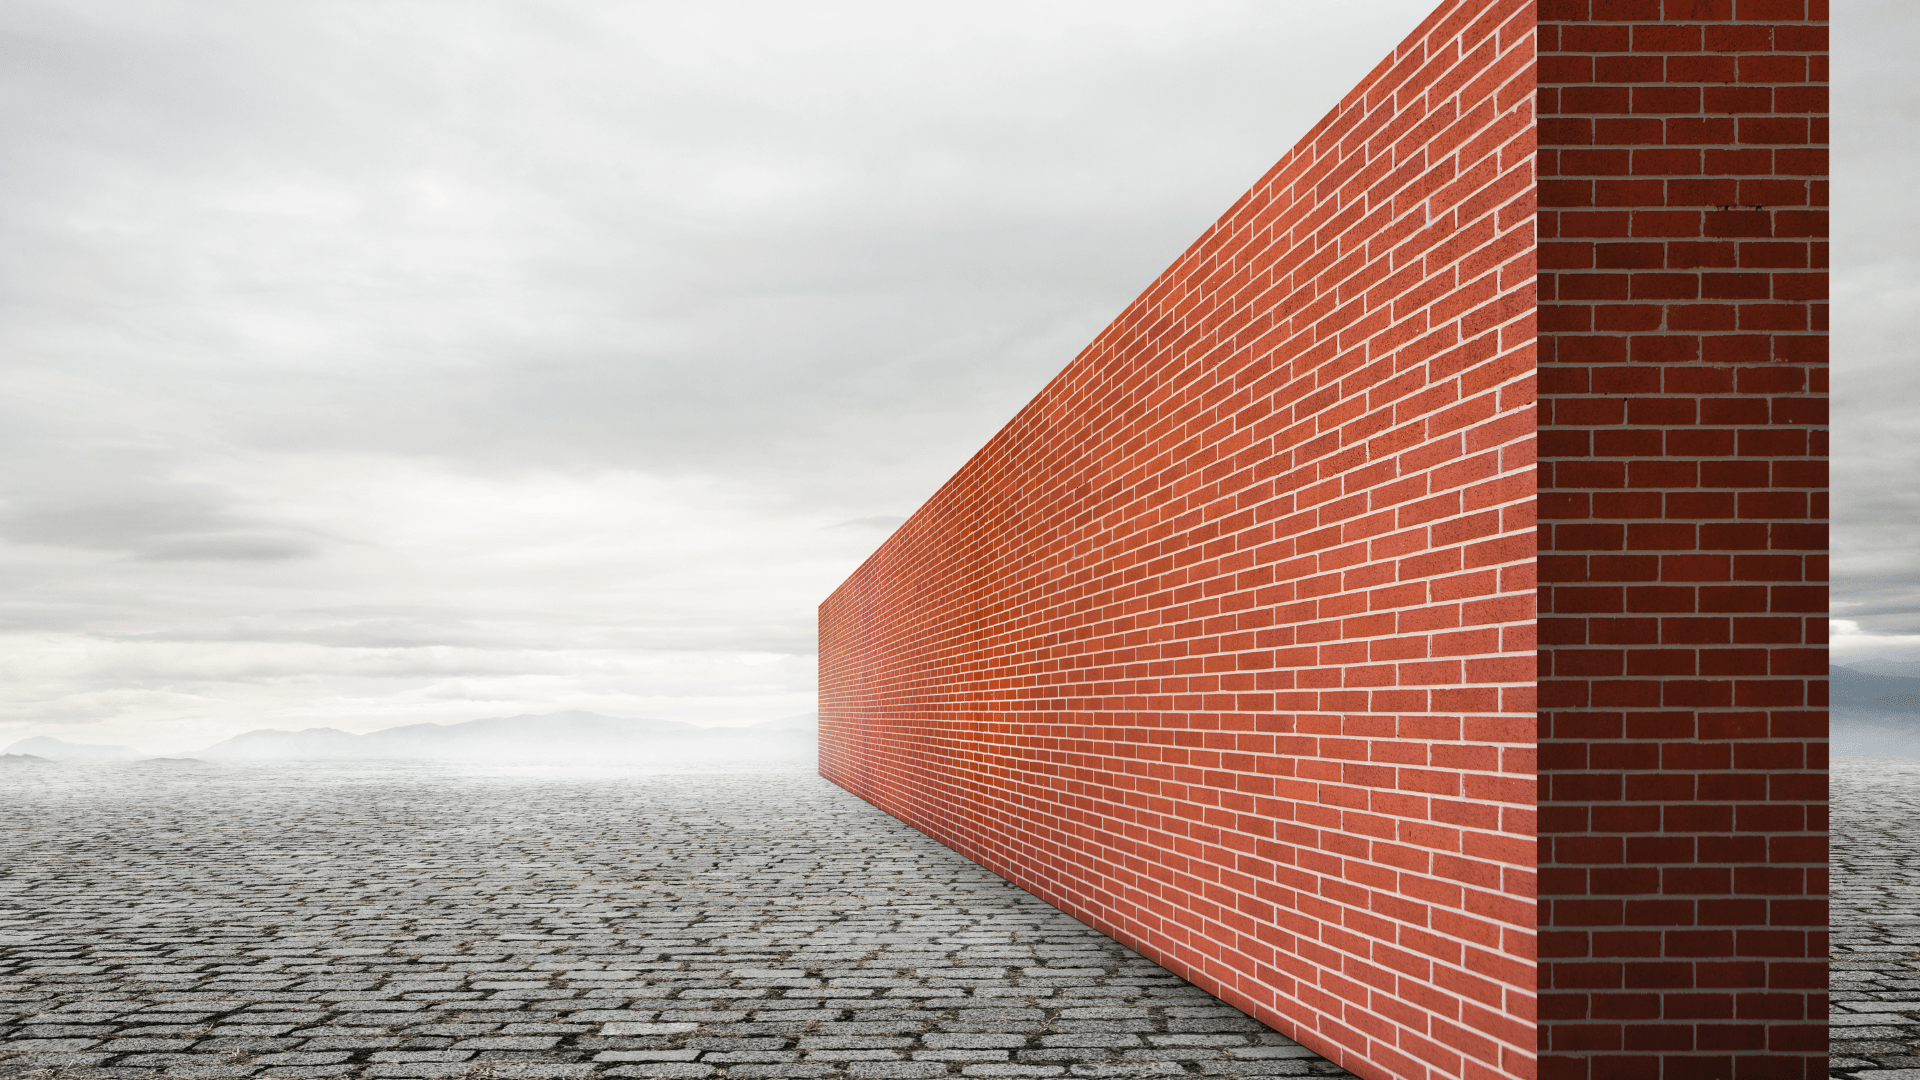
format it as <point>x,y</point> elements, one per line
<point>1876,330</point>
<point>376,362</point>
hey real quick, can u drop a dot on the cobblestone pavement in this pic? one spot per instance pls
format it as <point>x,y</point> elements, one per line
<point>179,919</point>
<point>1876,920</point>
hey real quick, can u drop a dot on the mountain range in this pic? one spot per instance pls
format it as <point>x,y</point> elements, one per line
<point>1857,688</point>
<point>1874,709</point>
<point>561,736</point>
<point>1875,713</point>
<point>54,749</point>
<point>1881,666</point>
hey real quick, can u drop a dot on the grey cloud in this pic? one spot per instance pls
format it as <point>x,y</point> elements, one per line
<point>493,629</point>
<point>1876,318</point>
<point>700,258</point>
<point>343,331</point>
<point>113,525</point>
<point>178,526</point>
<point>231,547</point>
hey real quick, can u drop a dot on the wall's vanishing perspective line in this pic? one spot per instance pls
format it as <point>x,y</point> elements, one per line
<point>1225,644</point>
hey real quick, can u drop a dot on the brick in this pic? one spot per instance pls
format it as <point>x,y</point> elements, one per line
<point>1000,699</point>
<point>1722,317</point>
<point>1185,716</point>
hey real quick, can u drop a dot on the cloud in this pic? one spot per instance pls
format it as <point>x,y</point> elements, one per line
<point>877,521</point>
<point>1852,643</point>
<point>1876,321</point>
<point>156,529</point>
<point>370,362</point>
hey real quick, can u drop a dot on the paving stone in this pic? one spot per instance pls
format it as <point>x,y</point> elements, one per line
<point>1252,1068</point>
<point>975,1042</point>
<point>1295,1051</point>
<point>386,920</point>
<point>1875,1012</point>
<point>32,1045</point>
<point>896,1070</point>
<point>117,1045</point>
<point>43,1060</point>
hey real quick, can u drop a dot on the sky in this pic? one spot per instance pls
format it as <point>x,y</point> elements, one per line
<point>369,362</point>
<point>1876,331</point>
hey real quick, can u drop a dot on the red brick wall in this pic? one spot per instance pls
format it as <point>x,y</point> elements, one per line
<point>1682,788</point>
<point>1225,643</point>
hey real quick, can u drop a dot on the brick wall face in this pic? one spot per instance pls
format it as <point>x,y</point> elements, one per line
<point>1682,734</point>
<point>1225,643</point>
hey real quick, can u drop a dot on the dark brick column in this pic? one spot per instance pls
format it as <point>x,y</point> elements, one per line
<point>1682,491</point>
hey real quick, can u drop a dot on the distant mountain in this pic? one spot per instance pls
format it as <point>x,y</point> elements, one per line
<point>56,750</point>
<point>562,736</point>
<point>1878,666</point>
<point>801,722</point>
<point>1855,689</point>
<point>312,744</point>
<point>1873,714</point>
<point>566,734</point>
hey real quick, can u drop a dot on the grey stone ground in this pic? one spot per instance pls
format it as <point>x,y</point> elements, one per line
<point>1876,920</point>
<point>419,921</point>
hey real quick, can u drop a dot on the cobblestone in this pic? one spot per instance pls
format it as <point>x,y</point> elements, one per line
<point>317,921</point>
<point>1875,981</point>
